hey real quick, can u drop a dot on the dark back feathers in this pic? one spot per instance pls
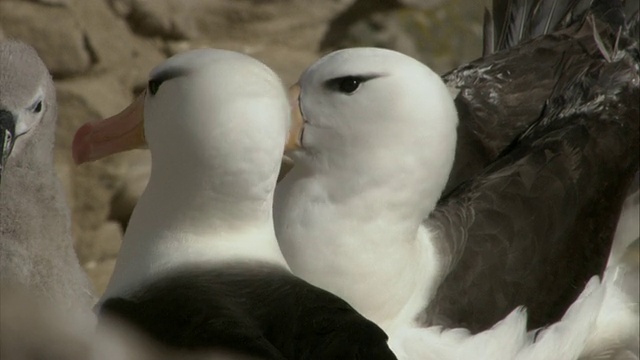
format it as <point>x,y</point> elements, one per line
<point>251,309</point>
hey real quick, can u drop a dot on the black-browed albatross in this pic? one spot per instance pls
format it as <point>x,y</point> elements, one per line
<point>353,214</point>
<point>200,266</point>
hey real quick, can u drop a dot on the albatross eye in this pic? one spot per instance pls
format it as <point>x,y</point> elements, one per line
<point>37,107</point>
<point>349,84</point>
<point>154,85</point>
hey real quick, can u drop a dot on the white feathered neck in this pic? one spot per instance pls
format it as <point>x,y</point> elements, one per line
<point>373,164</point>
<point>216,135</point>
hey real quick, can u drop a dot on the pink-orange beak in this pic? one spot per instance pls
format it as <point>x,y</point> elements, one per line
<point>297,123</point>
<point>121,132</point>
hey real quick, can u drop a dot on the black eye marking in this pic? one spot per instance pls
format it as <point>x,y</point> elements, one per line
<point>154,85</point>
<point>37,107</point>
<point>348,84</point>
<point>162,76</point>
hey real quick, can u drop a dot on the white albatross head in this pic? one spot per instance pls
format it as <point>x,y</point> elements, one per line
<point>204,111</point>
<point>216,123</point>
<point>373,141</point>
<point>377,116</point>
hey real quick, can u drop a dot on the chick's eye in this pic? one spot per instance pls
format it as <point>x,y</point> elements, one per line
<point>37,107</point>
<point>154,86</point>
<point>349,84</point>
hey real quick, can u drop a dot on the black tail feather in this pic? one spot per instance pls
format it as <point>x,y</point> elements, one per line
<point>488,46</point>
<point>513,21</point>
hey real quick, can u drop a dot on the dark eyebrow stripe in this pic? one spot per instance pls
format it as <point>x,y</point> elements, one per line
<point>335,82</point>
<point>168,74</point>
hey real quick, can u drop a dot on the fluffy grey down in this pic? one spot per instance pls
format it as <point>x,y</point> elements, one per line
<point>36,246</point>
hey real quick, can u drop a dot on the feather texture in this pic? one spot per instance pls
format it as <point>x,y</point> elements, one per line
<point>515,21</point>
<point>549,175</point>
<point>36,246</point>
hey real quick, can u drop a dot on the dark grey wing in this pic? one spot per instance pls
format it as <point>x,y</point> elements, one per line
<point>253,309</point>
<point>514,21</point>
<point>537,223</point>
<point>193,310</point>
<point>504,92</point>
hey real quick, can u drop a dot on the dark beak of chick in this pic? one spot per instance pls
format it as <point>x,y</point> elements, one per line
<point>7,137</point>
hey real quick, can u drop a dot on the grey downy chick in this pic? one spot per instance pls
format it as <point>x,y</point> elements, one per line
<point>36,246</point>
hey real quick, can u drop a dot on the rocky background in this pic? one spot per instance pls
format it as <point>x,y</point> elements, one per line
<point>100,52</point>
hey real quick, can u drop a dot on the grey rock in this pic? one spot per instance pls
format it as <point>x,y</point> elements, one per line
<point>381,30</point>
<point>47,2</point>
<point>421,4</point>
<point>128,57</point>
<point>133,171</point>
<point>53,31</point>
<point>163,18</point>
<point>106,245</point>
<point>100,272</point>
<point>173,47</point>
<point>443,34</point>
<point>93,184</point>
<point>53,2</point>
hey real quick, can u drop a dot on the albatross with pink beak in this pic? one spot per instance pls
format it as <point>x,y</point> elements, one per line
<point>199,266</point>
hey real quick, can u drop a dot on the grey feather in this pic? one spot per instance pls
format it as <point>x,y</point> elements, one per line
<point>501,13</point>
<point>487,34</point>
<point>36,247</point>
<point>547,14</point>
<point>517,29</point>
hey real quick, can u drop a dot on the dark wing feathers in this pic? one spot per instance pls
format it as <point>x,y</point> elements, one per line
<point>500,11</point>
<point>517,28</point>
<point>632,18</point>
<point>253,309</point>
<point>544,13</point>
<point>512,22</point>
<point>610,11</point>
<point>547,15</point>
<point>497,100</point>
<point>503,93</point>
<point>538,222</point>
<point>488,32</point>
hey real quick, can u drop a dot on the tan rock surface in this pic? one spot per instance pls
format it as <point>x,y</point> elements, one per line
<point>54,31</point>
<point>101,51</point>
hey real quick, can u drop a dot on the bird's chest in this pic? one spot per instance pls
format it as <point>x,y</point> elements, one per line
<point>353,251</point>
